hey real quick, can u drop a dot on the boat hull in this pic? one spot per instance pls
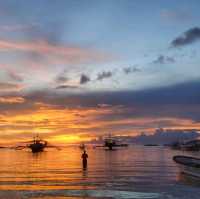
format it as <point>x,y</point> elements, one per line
<point>188,165</point>
<point>35,148</point>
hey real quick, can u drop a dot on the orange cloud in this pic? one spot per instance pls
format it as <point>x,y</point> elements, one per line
<point>12,100</point>
<point>79,124</point>
<point>10,87</point>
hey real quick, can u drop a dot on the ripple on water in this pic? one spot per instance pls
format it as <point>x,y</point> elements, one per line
<point>52,194</point>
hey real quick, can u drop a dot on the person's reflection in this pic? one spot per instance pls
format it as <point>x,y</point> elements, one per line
<point>85,175</point>
<point>84,160</point>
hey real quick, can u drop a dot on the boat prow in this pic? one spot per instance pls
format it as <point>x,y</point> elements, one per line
<point>188,165</point>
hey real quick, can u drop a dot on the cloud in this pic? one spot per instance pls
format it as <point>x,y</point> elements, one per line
<point>17,27</point>
<point>41,49</point>
<point>161,59</point>
<point>174,106</point>
<point>84,79</point>
<point>104,75</point>
<point>67,87</point>
<point>182,94</point>
<point>131,69</point>
<point>190,36</point>
<point>10,87</point>
<point>11,100</point>
<point>104,105</point>
<point>51,31</point>
<point>14,76</point>
<point>61,79</point>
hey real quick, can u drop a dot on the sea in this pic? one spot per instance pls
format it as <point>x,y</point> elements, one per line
<point>134,172</point>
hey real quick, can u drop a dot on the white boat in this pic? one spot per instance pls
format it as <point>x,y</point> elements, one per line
<point>188,165</point>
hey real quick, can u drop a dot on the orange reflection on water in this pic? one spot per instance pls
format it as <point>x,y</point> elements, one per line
<point>42,187</point>
<point>49,170</point>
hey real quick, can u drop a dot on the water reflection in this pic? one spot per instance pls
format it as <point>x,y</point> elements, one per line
<point>125,172</point>
<point>188,179</point>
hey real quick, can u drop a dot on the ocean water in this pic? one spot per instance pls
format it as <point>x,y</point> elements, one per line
<point>127,173</point>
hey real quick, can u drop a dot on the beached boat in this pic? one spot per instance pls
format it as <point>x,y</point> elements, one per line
<point>188,165</point>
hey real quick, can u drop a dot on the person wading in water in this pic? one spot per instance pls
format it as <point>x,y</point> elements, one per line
<point>84,158</point>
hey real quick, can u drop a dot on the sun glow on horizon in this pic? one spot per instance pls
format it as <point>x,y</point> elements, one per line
<point>75,125</point>
<point>69,139</point>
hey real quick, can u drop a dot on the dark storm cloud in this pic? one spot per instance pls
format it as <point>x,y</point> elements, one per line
<point>84,79</point>
<point>179,101</point>
<point>104,75</point>
<point>190,36</point>
<point>185,93</point>
<point>161,59</point>
<point>180,94</point>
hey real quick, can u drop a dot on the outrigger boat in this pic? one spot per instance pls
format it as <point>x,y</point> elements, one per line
<point>188,165</point>
<point>36,145</point>
<point>111,142</point>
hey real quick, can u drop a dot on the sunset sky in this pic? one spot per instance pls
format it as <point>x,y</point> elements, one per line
<point>75,70</point>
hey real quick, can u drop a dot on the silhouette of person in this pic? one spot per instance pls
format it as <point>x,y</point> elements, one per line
<point>84,159</point>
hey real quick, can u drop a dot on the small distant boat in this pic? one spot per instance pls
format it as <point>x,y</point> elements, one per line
<point>188,165</point>
<point>82,146</point>
<point>111,143</point>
